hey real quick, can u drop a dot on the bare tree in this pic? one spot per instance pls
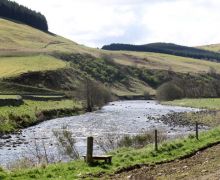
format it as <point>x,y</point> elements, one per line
<point>95,94</point>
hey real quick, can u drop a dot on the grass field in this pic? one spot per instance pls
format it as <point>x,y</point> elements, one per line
<point>12,118</point>
<point>19,39</point>
<point>122,158</point>
<point>13,88</point>
<point>12,66</point>
<point>9,97</point>
<point>211,47</point>
<point>207,103</point>
<point>164,61</point>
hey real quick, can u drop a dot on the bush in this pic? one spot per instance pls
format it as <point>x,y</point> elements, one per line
<point>140,140</point>
<point>169,91</point>
<point>111,141</point>
<point>146,95</point>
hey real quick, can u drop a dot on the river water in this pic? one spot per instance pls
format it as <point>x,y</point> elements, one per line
<point>121,117</point>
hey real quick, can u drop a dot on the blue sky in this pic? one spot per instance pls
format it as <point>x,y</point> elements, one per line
<point>98,22</point>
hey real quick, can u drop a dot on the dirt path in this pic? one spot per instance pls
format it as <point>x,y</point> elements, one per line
<point>204,165</point>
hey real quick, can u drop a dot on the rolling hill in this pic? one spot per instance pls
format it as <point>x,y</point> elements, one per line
<point>211,47</point>
<point>167,48</point>
<point>42,61</point>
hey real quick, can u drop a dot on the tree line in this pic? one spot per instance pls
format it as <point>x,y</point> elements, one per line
<point>14,11</point>
<point>167,48</point>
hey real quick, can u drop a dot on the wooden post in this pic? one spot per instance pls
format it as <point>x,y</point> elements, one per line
<point>156,141</point>
<point>89,158</point>
<point>197,131</point>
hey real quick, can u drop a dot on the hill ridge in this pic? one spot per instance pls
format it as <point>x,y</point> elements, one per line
<point>166,48</point>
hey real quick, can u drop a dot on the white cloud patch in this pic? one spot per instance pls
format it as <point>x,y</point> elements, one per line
<point>98,22</point>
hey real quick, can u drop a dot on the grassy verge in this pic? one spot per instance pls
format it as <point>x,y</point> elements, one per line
<point>207,103</point>
<point>31,112</point>
<point>122,159</point>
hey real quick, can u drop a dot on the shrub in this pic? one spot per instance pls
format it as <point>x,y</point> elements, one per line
<point>169,91</point>
<point>146,95</point>
<point>140,140</point>
<point>66,143</point>
<point>110,142</point>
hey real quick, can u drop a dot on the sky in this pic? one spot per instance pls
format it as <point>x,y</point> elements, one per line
<point>96,23</point>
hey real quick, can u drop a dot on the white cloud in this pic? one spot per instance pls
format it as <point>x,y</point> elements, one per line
<point>99,22</point>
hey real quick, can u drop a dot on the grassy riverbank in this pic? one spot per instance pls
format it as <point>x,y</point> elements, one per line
<point>32,112</point>
<point>210,117</point>
<point>206,103</point>
<point>122,159</point>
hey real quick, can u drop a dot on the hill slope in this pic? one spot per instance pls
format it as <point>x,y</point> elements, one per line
<point>22,40</point>
<point>19,39</point>
<point>167,48</point>
<point>211,47</point>
<point>39,57</point>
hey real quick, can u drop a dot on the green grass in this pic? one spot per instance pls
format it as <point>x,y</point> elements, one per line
<point>19,39</point>
<point>164,62</point>
<point>211,47</point>
<point>13,88</point>
<point>13,66</point>
<point>122,158</point>
<point>9,97</point>
<point>207,103</point>
<point>12,118</point>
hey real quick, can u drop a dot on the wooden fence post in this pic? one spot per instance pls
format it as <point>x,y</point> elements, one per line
<point>89,155</point>
<point>156,141</point>
<point>197,130</point>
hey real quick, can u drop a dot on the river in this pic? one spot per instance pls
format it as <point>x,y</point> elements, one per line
<point>121,117</point>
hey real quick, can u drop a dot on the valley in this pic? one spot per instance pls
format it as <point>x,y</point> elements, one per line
<point>54,93</point>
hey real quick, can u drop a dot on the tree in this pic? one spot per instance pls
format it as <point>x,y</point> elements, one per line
<point>14,11</point>
<point>95,94</point>
<point>169,91</point>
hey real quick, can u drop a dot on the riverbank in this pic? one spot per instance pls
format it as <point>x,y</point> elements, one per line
<point>115,119</point>
<point>202,103</point>
<point>124,159</point>
<point>208,116</point>
<point>33,112</point>
<point>127,117</point>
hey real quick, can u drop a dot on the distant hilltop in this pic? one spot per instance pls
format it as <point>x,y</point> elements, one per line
<point>167,48</point>
<point>14,11</point>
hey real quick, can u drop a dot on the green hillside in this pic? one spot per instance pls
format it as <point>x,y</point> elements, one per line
<point>18,39</point>
<point>31,58</point>
<point>14,66</point>
<point>167,48</point>
<point>211,47</point>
